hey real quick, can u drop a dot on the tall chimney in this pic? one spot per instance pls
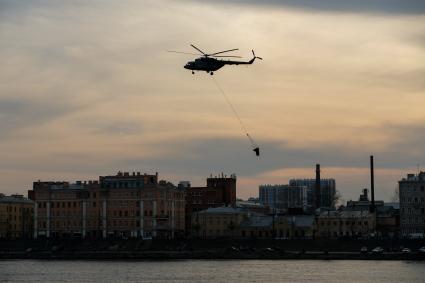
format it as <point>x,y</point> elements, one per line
<point>372,185</point>
<point>317,187</point>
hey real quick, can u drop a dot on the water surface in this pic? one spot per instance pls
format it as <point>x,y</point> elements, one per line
<point>240,271</point>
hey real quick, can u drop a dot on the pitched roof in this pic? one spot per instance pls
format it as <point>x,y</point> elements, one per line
<point>221,209</point>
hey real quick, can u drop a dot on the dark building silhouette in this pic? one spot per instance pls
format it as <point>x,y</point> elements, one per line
<point>320,192</point>
<point>412,205</point>
<point>327,192</point>
<point>220,191</point>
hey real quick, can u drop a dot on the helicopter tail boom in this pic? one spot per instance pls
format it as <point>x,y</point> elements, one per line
<point>243,62</point>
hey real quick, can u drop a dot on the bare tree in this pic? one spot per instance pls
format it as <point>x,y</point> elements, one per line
<point>396,195</point>
<point>337,198</point>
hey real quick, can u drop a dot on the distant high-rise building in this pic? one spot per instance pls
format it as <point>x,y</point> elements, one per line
<point>327,192</point>
<point>412,205</point>
<point>283,197</point>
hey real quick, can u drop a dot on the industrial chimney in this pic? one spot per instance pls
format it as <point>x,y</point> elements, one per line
<point>318,194</point>
<point>372,185</point>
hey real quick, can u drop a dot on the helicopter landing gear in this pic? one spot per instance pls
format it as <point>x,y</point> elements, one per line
<point>193,72</point>
<point>212,73</point>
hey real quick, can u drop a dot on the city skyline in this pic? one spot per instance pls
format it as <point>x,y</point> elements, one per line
<point>88,89</point>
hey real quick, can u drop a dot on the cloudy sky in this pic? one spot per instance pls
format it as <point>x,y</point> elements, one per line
<point>87,88</point>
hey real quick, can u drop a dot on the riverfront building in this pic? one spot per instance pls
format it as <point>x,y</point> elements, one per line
<point>219,191</point>
<point>16,217</point>
<point>241,223</point>
<point>412,205</point>
<point>345,223</point>
<point>123,205</point>
<point>386,215</point>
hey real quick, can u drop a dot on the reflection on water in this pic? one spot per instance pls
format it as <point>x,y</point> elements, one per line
<point>212,271</point>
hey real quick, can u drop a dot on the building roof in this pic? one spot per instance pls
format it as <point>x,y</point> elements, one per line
<point>258,221</point>
<point>249,204</point>
<point>344,213</point>
<point>301,220</point>
<point>12,199</point>
<point>395,205</point>
<point>221,210</point>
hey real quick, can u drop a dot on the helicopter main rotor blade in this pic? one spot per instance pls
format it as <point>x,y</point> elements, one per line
<point>221,56</point>
<point>224,51</point>
<point>198,49</point>
<point>172,51</point>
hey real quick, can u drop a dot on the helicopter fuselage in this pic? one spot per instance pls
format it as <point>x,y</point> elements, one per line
<point>204,64</point>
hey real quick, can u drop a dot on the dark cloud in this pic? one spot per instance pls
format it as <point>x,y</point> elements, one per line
<point>203,156</point>
<point>362,6</point>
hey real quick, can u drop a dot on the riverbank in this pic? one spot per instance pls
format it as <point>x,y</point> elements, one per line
<point>137,249</point>
<point>227,255</point>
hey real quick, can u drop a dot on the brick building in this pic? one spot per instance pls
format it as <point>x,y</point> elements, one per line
<point>123,205</point>
<point>220,191</point>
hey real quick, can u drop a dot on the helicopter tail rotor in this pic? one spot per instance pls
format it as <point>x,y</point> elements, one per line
<point>253,53</point>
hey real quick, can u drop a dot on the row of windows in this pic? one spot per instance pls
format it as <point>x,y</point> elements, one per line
<point>340,223</point>
<point>79,224</point>
<point>69,223</point>
<point>411,220</point>
<point>75,204</point>
<point>125,184</point>
<point>115,213</point>
<point>340,234</point>
<point>219,220</point>
<point>410,210</point>
<point>412,200</point>
<point>259,233</point>
<point>16,209</point>
<point>413,188</point>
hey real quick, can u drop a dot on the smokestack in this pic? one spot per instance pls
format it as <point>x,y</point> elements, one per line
<point>372,185</point>
<point>317,187</point>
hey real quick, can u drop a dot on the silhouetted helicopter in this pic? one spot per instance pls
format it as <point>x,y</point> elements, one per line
<point>208,64</point>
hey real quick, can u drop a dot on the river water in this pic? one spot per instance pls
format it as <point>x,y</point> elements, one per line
<point>240,271</point>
